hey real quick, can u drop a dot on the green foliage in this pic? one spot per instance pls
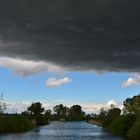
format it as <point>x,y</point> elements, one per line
<point>76,113</point>
<point>127,124</point>
<point>15,124</point>
<point>122,124</point>
<point>134,131</point>
<point>132,105</point>
<point>48,114</point>
<point>106,116</point>
<point>112,114</point>
<point>61,111</point>
<point>42,120</point>
<point>36,110</point>
<point>101,117</point>
<point>73,113</point>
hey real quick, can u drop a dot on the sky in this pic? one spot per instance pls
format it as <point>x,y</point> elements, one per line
<point>69,52</point>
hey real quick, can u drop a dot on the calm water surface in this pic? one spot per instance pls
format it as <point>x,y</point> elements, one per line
<point>64,131</point>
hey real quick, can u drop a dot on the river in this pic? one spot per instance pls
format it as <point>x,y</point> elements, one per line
<point>64,131</point>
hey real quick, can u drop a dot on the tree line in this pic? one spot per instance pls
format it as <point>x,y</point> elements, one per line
<point>59,112</point>
<point>125,122</point>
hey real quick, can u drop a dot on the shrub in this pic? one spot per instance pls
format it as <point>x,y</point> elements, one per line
<point>41,121</point>
<point>15,124</point>
<point>121,125</point>
<point>134,131</point>
<point>112,115</point>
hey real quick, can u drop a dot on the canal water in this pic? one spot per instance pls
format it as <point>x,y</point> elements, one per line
<point>64,131</point>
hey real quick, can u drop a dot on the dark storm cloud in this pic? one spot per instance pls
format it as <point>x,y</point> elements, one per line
<point>79,34</point>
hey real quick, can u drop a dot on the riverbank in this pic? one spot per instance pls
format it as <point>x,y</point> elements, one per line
<point>15,124</point>
<point>59,130</point>
<point>124,122</point>
<point>94,122</point>
<point>19,123</point>
<point>125,126</point>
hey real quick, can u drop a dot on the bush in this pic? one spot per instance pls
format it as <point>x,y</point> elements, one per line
<point>121,125</point>
<point>41,121</point>
<point>112,115</point>
<point>15,124</point>
<point>134,131</point>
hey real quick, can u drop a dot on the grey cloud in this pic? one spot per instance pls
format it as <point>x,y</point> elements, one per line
<point>80,35</point>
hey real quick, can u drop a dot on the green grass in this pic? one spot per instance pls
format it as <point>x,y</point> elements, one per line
<point>15,124</point>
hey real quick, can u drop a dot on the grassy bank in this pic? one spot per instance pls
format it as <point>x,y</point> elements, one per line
<point>15,124</point>
<point>134,131</point>
<point>20,123</point>
<point>124,125</point>
<point>127,126</point>
<point>121,125</point>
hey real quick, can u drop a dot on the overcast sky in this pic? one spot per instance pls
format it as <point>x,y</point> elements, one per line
<point>79,51</point>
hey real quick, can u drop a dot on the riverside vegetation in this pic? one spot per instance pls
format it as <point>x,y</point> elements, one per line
<point>36,115</point>
<point>15,123</point>
<point>124,123</point>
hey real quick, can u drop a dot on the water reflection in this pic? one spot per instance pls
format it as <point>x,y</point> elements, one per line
<point>64,131</point>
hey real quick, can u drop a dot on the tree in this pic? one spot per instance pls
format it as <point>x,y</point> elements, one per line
<point>94,115</point>
<point>25,113</point>
<point>112,106</point>
<point>2,104</point>
<point>132,105</point>
<point>2,107</point>
<point>102,114</point>
<point>35,110</point>
<point>61,111</point>
<point>48,113</point>
<point>76,113</point>
<point>112,114</point>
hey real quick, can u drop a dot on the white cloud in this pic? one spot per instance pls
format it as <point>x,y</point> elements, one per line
<point>53,82</point>
<point>134,80</point>
<point>111,102</point>
<point>17,107</point>
<point>28,67</point>
<point>13,106</point>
